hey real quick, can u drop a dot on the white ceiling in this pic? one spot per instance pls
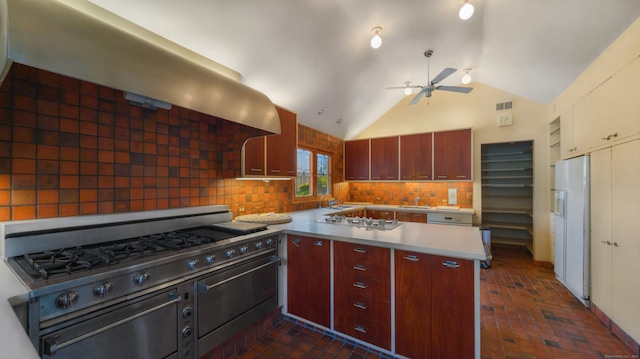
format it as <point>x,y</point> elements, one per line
<point>314,55</point>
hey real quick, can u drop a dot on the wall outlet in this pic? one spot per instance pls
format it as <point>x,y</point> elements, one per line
<point>241,209</point>
<point>453,196</point>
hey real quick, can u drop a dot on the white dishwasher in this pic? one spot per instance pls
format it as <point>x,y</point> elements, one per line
<point>456,219</point>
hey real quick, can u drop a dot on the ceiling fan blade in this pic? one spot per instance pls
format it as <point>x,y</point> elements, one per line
<point>403,87</point>
<point>455,89</point>
<point>444,74</point>
<point>417,97</point>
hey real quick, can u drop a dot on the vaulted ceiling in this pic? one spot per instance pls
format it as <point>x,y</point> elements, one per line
<point>314,58</point>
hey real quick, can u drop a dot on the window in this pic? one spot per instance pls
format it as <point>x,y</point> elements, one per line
<point>314,174</point>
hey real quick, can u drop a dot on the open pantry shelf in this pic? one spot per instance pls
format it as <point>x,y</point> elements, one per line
<point>507,192</point>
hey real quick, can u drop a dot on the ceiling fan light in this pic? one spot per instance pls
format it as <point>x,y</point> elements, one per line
<point>376,40</point>
<point>466,11</point>
<point>466,78</point>
<point>408,91</point>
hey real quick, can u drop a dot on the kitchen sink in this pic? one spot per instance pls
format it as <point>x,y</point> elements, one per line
<point>365,223</point>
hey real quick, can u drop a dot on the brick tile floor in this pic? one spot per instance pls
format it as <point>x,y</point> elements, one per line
<point>525,313</point>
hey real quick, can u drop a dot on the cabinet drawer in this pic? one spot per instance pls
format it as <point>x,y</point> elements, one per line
<point>361,253</point>
<point>362,284</point>
<point>370,331</point>
<point>361,306</point>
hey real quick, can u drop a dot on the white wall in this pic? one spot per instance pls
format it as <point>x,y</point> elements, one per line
<point>447,110</point>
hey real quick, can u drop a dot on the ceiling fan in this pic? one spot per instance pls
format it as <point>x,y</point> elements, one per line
<point>428,89</point>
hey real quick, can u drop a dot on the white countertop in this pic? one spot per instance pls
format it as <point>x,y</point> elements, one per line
<point>13,339</point>
<point>445,240</point>
<point>454,241</point>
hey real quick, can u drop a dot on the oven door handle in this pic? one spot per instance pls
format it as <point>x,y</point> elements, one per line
<point>51,345</point>
<point>204,287</point>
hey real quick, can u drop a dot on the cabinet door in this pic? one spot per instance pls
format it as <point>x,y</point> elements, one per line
<point>253,157</point>
<point>416,157</point>
<point>452,155</point>
<point>308,279</point>
<point>601,249</point>
<point>625,108</point>
<point>356,160</point>
<point>567,149</point>
<point>451,308</point>
<point>282,149</point>
<point>413,312</point>
<point>625,226</point>
<point>384,158</point>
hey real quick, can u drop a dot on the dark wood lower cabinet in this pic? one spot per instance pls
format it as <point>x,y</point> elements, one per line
<point>362,293</point>
<point>434,306</point>
<point>309,278</point>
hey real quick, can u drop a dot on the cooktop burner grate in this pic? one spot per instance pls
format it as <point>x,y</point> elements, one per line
<point>48,264</point>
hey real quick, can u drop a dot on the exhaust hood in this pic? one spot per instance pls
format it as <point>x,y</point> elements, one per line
<point>79,39</point>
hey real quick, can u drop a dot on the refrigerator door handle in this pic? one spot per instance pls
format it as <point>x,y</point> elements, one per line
<point>559,203</point>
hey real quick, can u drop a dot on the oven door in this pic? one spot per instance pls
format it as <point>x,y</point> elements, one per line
<point>146,328</point>
<point>230,300</point>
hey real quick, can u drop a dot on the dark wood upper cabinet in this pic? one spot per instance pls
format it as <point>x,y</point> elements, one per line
<point>282,149</point>
<point>356,160</point>
<point>274,155</point>
<point>416,157</point>
<point>452,155</point>
<point>253,160</point>
<point>384,158</point>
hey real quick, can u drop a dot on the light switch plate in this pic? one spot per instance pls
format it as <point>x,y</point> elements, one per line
<point>505,120</point>
<point>453,196</point>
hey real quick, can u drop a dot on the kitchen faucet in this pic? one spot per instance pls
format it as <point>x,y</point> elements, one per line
<point>320,202</point>
<point>416,200</point>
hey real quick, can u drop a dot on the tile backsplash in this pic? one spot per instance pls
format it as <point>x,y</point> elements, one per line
<point>70,147</point>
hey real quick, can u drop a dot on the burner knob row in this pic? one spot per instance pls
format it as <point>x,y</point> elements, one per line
<point>141,278</point>
<point>103,289</point>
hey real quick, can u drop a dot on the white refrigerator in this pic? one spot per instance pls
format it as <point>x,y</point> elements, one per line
<point>571,226</point>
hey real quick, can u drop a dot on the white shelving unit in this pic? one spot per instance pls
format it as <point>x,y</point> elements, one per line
<point>507,192</point>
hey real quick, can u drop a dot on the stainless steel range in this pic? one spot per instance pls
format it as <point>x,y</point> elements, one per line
<point>158,284</point>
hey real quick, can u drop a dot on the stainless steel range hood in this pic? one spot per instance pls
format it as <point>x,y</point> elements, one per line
<point>79,39</point>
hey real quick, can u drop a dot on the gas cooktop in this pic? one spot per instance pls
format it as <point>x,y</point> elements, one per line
<point>64,261</point>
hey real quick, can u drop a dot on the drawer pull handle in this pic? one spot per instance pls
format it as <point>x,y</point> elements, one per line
<point>256,169</point>
<point>296,242</point>
<point>360,305</point>
<point>319,243</point>
<point>451,264</point>
<point>360,329</point>
<point>441,176</point>
<point>412,258</point>
<point>360,267</point>
<point>360,250</point>
<point>360,285</point>
<point>275,171</point>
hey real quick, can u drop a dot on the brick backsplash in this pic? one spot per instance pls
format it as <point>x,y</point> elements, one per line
<point>404,193</point>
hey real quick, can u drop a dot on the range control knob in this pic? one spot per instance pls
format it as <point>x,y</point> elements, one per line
<point>141,278</point>
<point>192,264</point>
<point>269,242</point>
<point>187,312</point>
<point>210,258</point>
<point>244,249</point>
<point>186,331</point>
<point>259,244</point>
<point>230,253</point>
<point>103,289</point>
<point>67,300</point>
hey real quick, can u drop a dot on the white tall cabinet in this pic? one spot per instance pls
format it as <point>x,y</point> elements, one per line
<point>615,243</point>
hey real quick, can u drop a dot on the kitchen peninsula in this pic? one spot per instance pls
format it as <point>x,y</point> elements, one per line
<point>409,290</point>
